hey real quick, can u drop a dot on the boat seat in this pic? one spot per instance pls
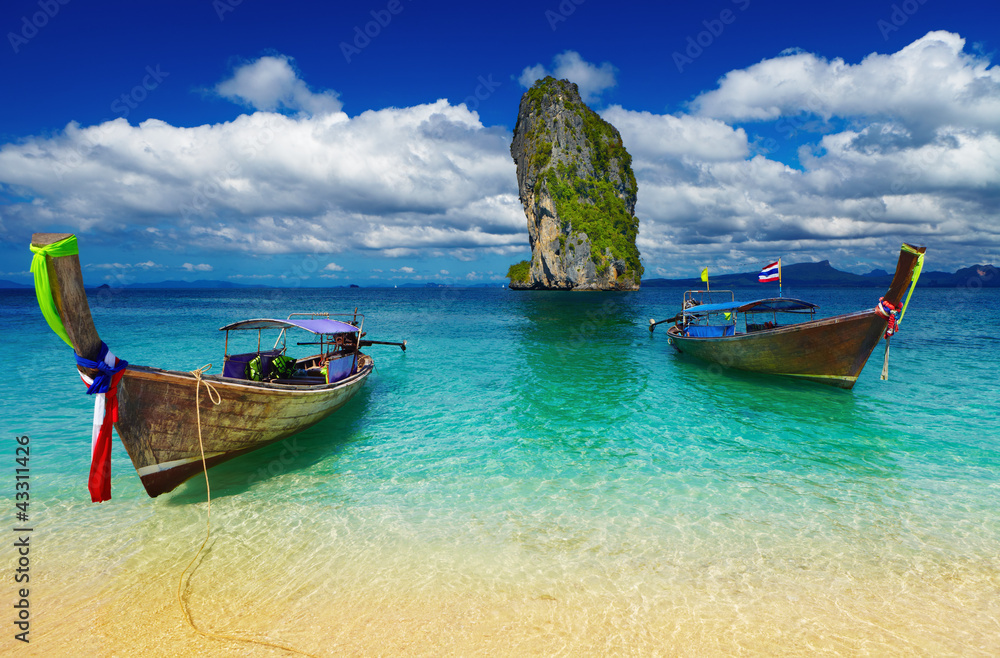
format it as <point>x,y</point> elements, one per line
<point>751,327</point>
<point>711,331</point>
<point>236,364</point>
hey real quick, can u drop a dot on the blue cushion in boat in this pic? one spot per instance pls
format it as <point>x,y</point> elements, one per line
<point>711,331</point>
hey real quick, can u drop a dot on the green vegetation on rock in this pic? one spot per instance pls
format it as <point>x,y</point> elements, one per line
<point>542,154</point>
<point>519,272</point>
<point>607,149</point>
<point>612,230</point>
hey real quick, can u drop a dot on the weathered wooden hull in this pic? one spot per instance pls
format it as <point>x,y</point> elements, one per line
<point>831,351</point>
<point>159,428</point>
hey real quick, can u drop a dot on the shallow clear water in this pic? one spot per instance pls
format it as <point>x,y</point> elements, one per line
<point>536,474</point>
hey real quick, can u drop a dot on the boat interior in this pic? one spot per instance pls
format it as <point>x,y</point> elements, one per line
<point>708,314</point>
<point>337,359</point>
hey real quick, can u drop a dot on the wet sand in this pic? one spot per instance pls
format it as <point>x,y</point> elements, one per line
<point>342,609</point>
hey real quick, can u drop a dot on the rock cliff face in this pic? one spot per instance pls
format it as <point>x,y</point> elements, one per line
<point>578,191</point>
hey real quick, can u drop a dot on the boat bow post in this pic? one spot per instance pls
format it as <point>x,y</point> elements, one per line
<point>70,297</point>
<point>63,301</point>
<point>908,268</point>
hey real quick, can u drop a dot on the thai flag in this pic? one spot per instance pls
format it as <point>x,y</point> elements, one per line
<point>770,273</point>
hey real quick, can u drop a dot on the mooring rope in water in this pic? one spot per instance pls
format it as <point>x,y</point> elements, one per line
<point>885,362</point>
<point>216,399</point>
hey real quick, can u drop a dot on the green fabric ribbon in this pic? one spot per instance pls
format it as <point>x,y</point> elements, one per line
<point>913,284</point>
<point>43,288</point>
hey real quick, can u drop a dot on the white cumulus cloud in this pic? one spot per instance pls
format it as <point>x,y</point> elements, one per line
<point>428,176</point>
<point>592,80</point>
<point>909,151</point>
<point>270,84</point>
<point>928,174</point>
<point>663,136</point>
<point>930,83</point>
<point>147,265</point>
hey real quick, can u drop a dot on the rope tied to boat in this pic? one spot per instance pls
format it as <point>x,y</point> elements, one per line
<point>890,312</point>
<point>104,386</point>
<point>216,399</point>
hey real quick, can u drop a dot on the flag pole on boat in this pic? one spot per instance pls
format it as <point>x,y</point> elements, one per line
<point>779,277</point>
<point>704,277</point>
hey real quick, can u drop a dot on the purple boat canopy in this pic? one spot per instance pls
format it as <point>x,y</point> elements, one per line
<point>316,326</point>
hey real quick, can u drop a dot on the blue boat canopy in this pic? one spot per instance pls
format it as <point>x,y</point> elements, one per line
<point>756,306</point>
<point>316,326</point>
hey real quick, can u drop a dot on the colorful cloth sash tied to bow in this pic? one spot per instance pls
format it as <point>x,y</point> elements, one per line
<point>105,387</point>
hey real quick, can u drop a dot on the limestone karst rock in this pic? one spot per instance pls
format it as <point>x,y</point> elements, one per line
<point>578,191</point>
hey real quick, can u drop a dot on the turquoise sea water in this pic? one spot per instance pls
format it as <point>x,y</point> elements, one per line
<point>536,474</point>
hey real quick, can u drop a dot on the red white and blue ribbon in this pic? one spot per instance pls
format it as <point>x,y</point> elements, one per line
<point>105,389</point>
<point>769,273</point>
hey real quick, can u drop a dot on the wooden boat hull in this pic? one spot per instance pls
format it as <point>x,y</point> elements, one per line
<point>831,351</point>
<point>157,421</point>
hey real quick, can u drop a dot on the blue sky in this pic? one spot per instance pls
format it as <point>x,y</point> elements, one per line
<point>308,143</point>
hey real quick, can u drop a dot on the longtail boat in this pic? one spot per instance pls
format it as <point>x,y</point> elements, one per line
<point>768,336</point>
<point>261,397</point>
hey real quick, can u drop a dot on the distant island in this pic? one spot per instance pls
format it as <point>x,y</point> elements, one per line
<point>823,274</point>
<point>813,275</point>
<point>208,284</point>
